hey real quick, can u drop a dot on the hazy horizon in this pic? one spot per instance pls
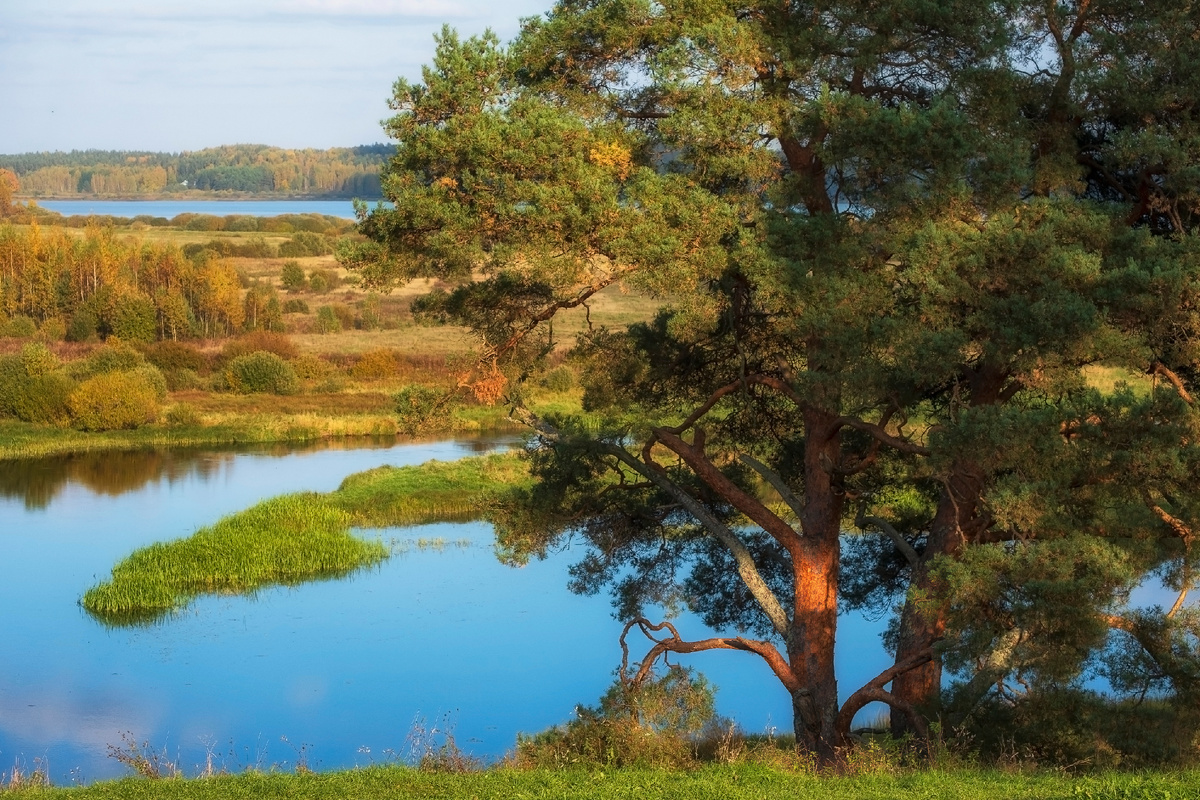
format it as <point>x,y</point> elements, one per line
<point>173,76</point>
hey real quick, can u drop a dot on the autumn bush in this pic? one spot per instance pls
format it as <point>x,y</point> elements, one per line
<point>261,372</point>
<point>169,356</point>
<point>309,367</point>
<point>260,342</point>
<point>376,364</point>
<point>115,401</point>
<point>33,388</point>
<point>295,306</point>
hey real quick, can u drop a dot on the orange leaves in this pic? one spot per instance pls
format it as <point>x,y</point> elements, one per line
<point>612,156</point>
<point>487,390</point>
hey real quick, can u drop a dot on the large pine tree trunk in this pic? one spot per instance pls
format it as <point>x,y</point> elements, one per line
<point>810,651</point>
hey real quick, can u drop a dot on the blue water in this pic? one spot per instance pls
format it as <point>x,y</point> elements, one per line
<point>219,208</point>
<point>334,672</point>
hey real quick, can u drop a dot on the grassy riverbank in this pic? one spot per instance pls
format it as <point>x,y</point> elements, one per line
<point>298,537</point>
<point>717,782</point>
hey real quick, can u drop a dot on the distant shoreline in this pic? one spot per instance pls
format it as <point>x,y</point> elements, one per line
<point>199,196</point>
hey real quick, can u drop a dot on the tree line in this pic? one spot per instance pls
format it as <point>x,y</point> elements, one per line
<point>351,172</point>
<point>96,285</point>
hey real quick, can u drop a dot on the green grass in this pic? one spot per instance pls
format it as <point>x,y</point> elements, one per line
<point>285,540</point>
<point>297,537</point>
<point>717,782</point>
<point>436,491</point>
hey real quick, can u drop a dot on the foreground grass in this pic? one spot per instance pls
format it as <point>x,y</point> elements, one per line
<point>297,537</point>
<point>717,782</point>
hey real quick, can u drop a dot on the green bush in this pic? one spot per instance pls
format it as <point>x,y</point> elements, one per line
<point>109,358</point>
<point>327,320</point>
<point>305,243</point>
<point>52,330</point>
<point>318,282</point>
<point>154,378</point>
<point>292,277</point>
<point>559,380</point>
<point>115,401</point>
<point>295,306</point>
<point>261,372</point>
<point>33,388</point>
<point>19,328</point>
<point>181,379</point>
<point>134,319</point>
<point>83,326</point>
<point>653,725</point>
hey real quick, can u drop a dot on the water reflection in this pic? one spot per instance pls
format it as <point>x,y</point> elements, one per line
<point>38,482</point>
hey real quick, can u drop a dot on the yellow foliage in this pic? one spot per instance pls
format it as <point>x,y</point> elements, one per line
<point>613,156</point>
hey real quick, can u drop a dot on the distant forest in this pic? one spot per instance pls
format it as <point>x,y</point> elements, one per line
<point>257,169</point>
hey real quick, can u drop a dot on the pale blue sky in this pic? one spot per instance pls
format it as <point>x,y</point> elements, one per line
<point>173,75</point>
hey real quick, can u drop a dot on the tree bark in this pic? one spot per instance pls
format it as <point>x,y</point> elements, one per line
<point>814,617</point>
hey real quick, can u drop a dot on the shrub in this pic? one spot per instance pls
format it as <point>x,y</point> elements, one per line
<point>292,277</point>
<point>310,367</point>
<point>19,327</point>
<point>242,222</point>
<point>181,379</point>
<point>109,358</point>
<point>154,378</point>
<point>295,306</point>
<point>261,372</point>
<point>32,388</point>
<point>169,356</point>
<point>345,315</point>
<point>114,401</point>
<point>376,364</point>
<point>305,243</point>
<point>53,330</point>
<point>559,380</point>
<point>370,313</point>
<point>83,326</point>
<point>133,318</point>
<point>260,341</point>
<point>327,320</point>
<point>653,725</point>
<point>318,281</point>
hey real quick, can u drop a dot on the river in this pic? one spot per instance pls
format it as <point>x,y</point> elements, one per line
<point>332,673</point>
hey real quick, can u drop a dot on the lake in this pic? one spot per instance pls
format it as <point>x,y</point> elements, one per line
<point>334,673</point>
<point>219,208</point>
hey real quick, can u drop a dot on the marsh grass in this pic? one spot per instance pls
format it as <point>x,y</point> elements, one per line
<point>300,537</point>
<point>436,491</point>
<point>285,540</point>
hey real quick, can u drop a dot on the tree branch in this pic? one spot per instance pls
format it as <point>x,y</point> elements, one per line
<point>772,477</point>
<point>906,549</point>
<point>747,569</point>
<point>878,431</point>
<point>874,690</point>
<point>1160,368</point>
<point>675,644</point>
